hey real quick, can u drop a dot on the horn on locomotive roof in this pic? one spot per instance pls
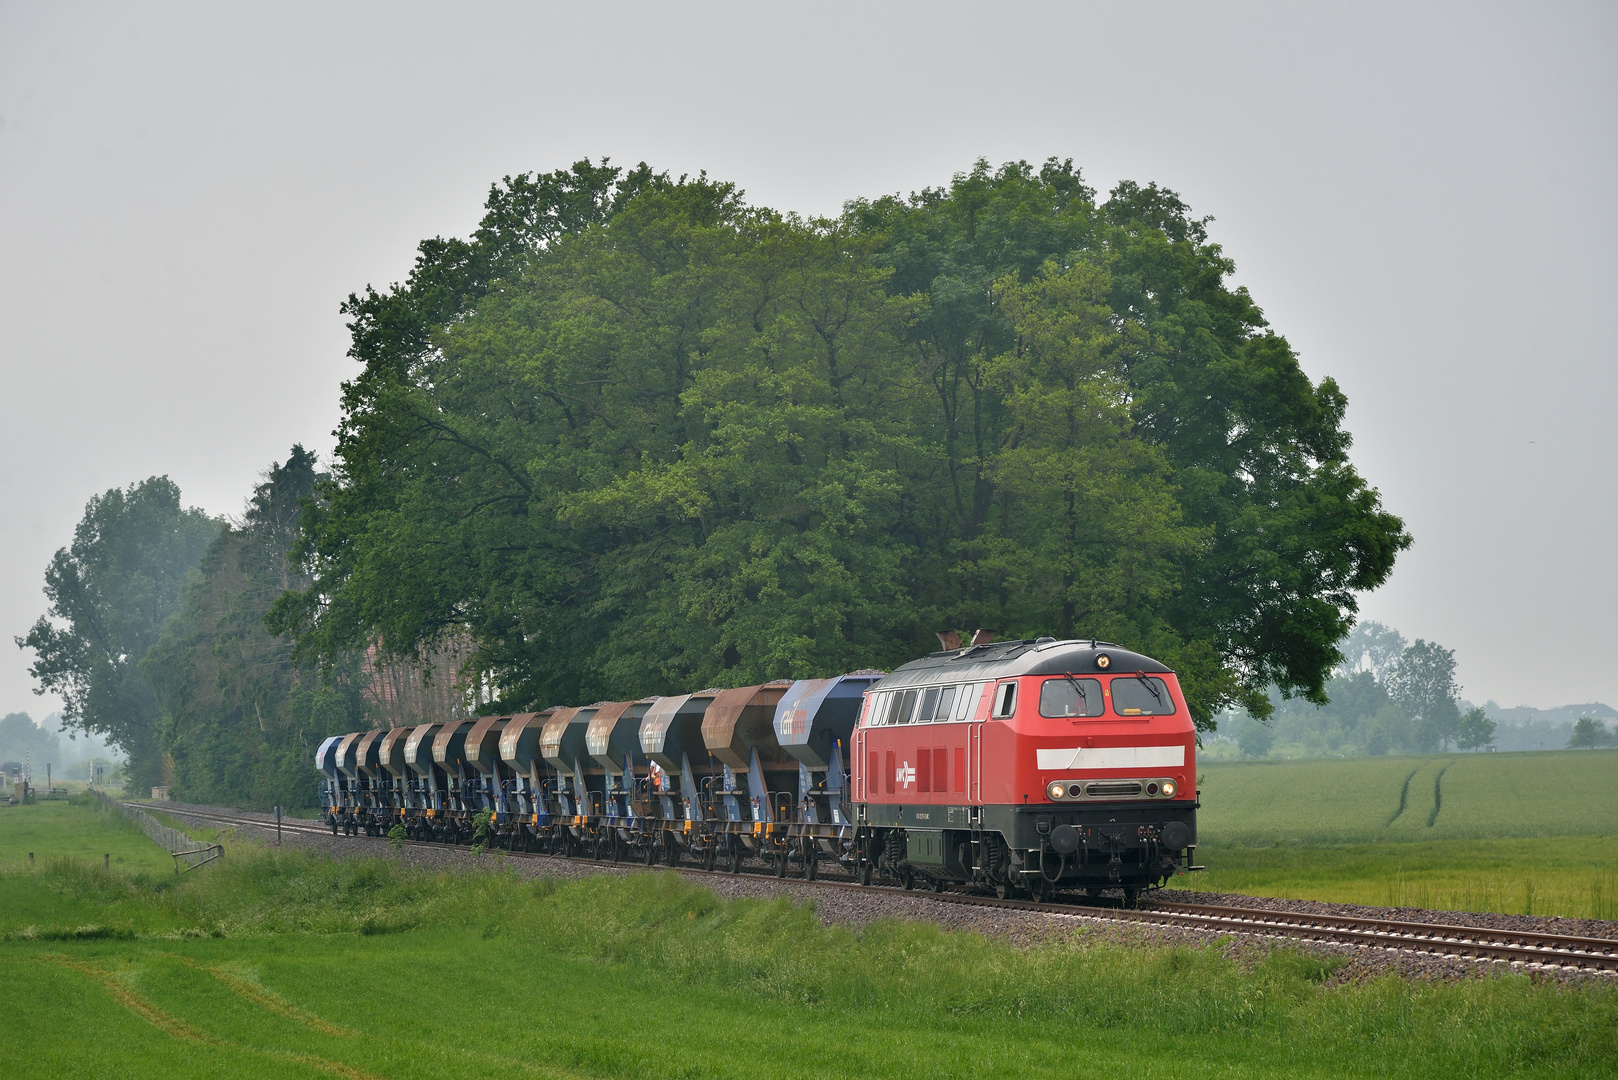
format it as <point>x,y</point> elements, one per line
<point>982,636</point>
<point>949,640</point>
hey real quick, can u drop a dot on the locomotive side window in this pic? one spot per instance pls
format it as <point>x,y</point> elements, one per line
<point>946,703</point>
<point>1062,696</point>
<point>1005,700</point>
<point>1141,696</point>
<point>929,700</point>
<point>966,701</point>
<point>907,705</point>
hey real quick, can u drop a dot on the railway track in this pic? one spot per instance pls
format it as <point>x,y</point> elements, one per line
<point>1519,947</point>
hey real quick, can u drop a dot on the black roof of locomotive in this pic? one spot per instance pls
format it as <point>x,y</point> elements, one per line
<point>1003,659</point>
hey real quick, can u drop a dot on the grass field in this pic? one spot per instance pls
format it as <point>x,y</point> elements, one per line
<point>1529,833</point>
<point>283,964</point>
<point>54,830</point>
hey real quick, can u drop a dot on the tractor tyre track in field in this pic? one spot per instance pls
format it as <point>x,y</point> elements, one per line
<point>1404,796</point>
<point>173,1026</point>
<point>1438,794</point>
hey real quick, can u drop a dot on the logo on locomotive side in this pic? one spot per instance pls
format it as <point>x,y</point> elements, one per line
<point>904,775</point>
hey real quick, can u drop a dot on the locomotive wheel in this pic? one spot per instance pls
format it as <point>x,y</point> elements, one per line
<point>735,860</point>
<point>1131,897</point>
<point>651,852</point>
<point>615,848</point>
<point>332,821</point>
<point>865,873</point>
<point>811,865</point>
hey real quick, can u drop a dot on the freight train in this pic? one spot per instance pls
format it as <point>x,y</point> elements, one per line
<point>1025,767</point>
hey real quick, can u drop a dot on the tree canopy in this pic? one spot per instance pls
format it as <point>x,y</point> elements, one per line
<point>109,593</point>
<point>636,435</point>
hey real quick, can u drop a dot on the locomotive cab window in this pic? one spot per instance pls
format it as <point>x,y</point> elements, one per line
<point>1141,696</point>
<point>1005,700</point>
<point>1062,696</point>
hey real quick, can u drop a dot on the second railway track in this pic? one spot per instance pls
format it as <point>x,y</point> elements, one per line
<point>1518,947</point>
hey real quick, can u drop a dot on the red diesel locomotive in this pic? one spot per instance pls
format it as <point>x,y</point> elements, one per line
<point>1026,767</point>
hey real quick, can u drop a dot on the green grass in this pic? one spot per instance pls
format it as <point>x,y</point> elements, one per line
<point>80,828</point>
<point>1528,833</point>
<point>287,964</point>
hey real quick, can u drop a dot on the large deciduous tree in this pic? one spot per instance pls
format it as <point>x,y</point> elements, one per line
<point>636,435</point>
<point>239,719</point>
<point>110,592</point>
<point>1423,684</point>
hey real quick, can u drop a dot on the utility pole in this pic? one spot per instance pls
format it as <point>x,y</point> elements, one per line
<point>277,824</point>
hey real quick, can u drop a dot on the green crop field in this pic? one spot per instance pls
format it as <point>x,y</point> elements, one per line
<point>1532,833</point>
<point>285,964</point>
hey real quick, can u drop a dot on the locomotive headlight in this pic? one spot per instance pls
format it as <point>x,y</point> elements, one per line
<point>1169,789</point>
<point>1056,790</point>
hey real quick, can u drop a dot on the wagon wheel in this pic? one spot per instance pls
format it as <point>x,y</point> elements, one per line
<point>1131,896</point>
<point>710,859</point>
<point>780,864</point>
<point>671,849</point>
<point>651,851</point>
<point>1002,889</point>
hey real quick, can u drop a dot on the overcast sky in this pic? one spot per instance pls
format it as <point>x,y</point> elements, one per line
<point>1420,197</point>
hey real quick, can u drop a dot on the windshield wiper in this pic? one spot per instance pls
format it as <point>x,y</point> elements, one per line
<point>1077,689</point>
<point>1141,675</point>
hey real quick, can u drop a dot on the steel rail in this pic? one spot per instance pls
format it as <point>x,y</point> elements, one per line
<point>1439,939</point>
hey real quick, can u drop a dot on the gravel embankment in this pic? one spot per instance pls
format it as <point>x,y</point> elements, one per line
<point>855,907</point>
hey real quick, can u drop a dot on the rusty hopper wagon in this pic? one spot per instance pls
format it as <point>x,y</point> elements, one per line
<point>1025,767</point>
